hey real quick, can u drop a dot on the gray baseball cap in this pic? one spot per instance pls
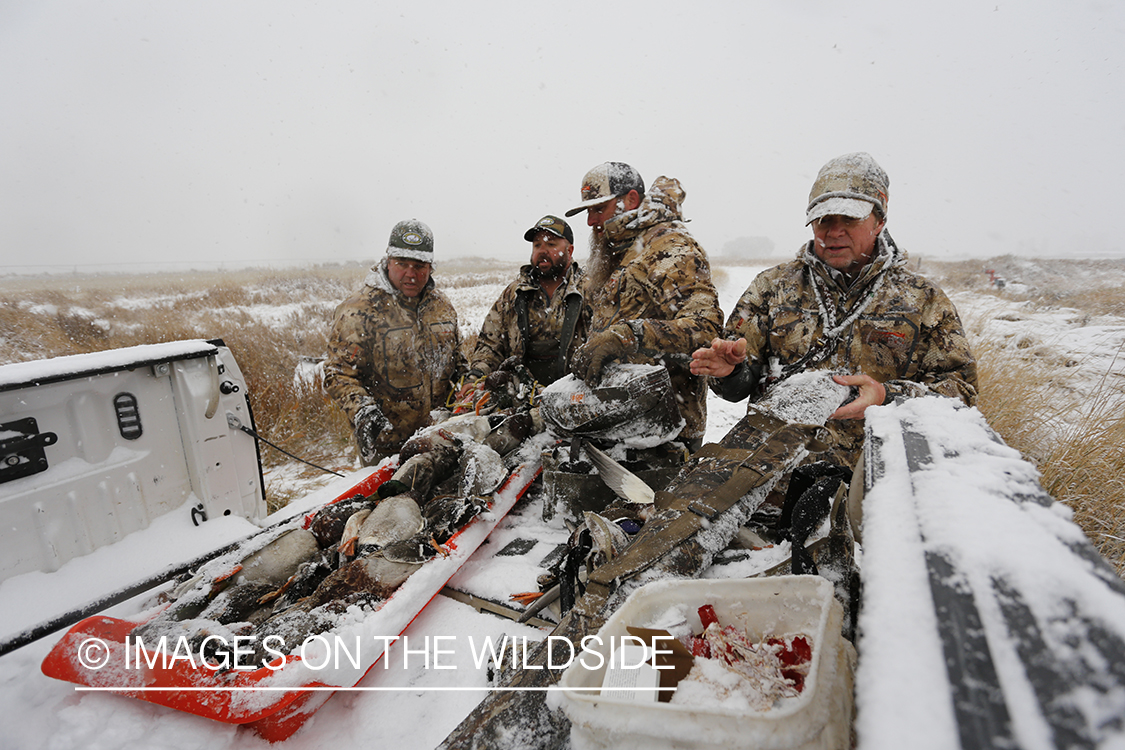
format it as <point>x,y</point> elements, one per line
<point>411,239</point>
<point>850,185</point>
<point>607,181</point>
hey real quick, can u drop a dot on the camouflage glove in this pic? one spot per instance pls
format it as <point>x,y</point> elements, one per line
<point>616,342</point>
<point>369,423</point>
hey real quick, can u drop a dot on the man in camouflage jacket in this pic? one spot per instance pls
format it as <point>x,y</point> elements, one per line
<point>394,351</point>
<point>540,317</point>
<point>649,285</point>
<point>847,303</point>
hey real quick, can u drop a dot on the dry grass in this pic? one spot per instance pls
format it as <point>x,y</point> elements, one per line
<point>1074,438</point>
<point>719,276</point>
<point>49,317</point>
<point>276,323</point>
<point>1085,468</point>
<point>1075,446</point>
<point>1093,286</point>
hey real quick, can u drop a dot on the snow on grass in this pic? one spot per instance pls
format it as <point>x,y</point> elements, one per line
<point>45,713</point>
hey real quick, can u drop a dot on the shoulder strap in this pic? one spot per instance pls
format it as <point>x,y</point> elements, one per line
<point>522,321</point>
<point>570,323</point>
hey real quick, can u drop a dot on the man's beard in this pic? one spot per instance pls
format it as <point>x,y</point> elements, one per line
<point>551,272</point>
<point>603,260</point>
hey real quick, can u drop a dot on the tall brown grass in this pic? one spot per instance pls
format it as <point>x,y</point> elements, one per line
<point>1076,445</point>
<point>54,316</point>
<point>1025,397</point>
<point>49,317</point>
<point>1028,396</point>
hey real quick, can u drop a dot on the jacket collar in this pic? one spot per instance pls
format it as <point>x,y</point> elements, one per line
<point>662,203</point>
<point>887,255</point>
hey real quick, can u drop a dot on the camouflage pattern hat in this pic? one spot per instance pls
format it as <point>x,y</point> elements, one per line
<point>850,185</point>
<point>411,239</point>
<point>607,181</point>
<point>552,224</point>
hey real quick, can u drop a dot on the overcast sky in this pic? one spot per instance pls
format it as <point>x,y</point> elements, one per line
<point>145,133</point>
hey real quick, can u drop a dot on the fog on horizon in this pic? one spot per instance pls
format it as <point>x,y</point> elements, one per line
<point>145,136</point>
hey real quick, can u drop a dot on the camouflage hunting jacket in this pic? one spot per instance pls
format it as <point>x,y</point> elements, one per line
<point>399,353</point>
<point>662,285</point>
<point>535,340</point>
<point>903,331</point>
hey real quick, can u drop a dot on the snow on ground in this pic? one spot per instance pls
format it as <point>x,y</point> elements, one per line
<point>1083,349</point>
<point>42,713</point>
<point>472,303</point>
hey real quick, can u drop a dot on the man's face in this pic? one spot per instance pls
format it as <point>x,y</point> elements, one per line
<point>550,254</point>
<point>844,243</point>
<point>597,216</point>
<point>408,276</point>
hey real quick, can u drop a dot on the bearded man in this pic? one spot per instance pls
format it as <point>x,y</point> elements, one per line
<point>650,291</point>
<point>539,318</point>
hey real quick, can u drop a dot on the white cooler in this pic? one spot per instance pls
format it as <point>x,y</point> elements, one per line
<point>820,717</point>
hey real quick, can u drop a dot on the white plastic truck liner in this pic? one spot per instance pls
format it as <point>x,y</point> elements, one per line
<point>95,446</point>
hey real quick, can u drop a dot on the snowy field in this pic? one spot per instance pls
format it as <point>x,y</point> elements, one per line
<point>396,710</point>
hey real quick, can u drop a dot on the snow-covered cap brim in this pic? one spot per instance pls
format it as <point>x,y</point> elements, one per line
<point>853,208</point>
<point>426,256</point>
<point>592,202</point>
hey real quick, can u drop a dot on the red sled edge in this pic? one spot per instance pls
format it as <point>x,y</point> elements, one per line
<point>192,690</point>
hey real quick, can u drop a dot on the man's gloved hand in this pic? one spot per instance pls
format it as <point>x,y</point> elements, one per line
<point>369,422</point>
<point>616,342</point>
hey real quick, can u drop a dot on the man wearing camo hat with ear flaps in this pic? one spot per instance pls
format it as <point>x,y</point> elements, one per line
<point>394,351</point>
<point>847,303</point>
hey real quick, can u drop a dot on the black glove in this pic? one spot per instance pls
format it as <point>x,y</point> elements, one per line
<point>616,342</point>
<point>369,422</point>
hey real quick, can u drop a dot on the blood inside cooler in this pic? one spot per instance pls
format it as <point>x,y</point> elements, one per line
<point>818,717</point>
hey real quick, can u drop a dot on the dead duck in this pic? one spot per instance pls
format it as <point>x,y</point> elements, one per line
<point>416,550</point>
<point>426,460</point>
<point>363,582</point>
<point>268,568</point>
<point>836,562</point>
<point>241,603</point>
<point>328,523</point>
<point>445,516</point>
<point>394,519</point>
<point>277,561</point>
<point>808,501</point>
<point>594,542</point>
<point>350,534</point>
<point>304,582</point>
<point>480,471</point>
<point>514,430</point>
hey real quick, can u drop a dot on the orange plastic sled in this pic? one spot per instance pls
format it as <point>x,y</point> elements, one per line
<point>274,701</point>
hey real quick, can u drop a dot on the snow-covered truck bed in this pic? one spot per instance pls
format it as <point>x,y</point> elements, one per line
<point>988,618</point>
<point>96,446</point>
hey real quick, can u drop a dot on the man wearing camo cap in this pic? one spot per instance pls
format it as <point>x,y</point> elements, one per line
<point>395,347</point>
<point>540,317</point>
<point>847,303</point>
<point>649,285</point>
